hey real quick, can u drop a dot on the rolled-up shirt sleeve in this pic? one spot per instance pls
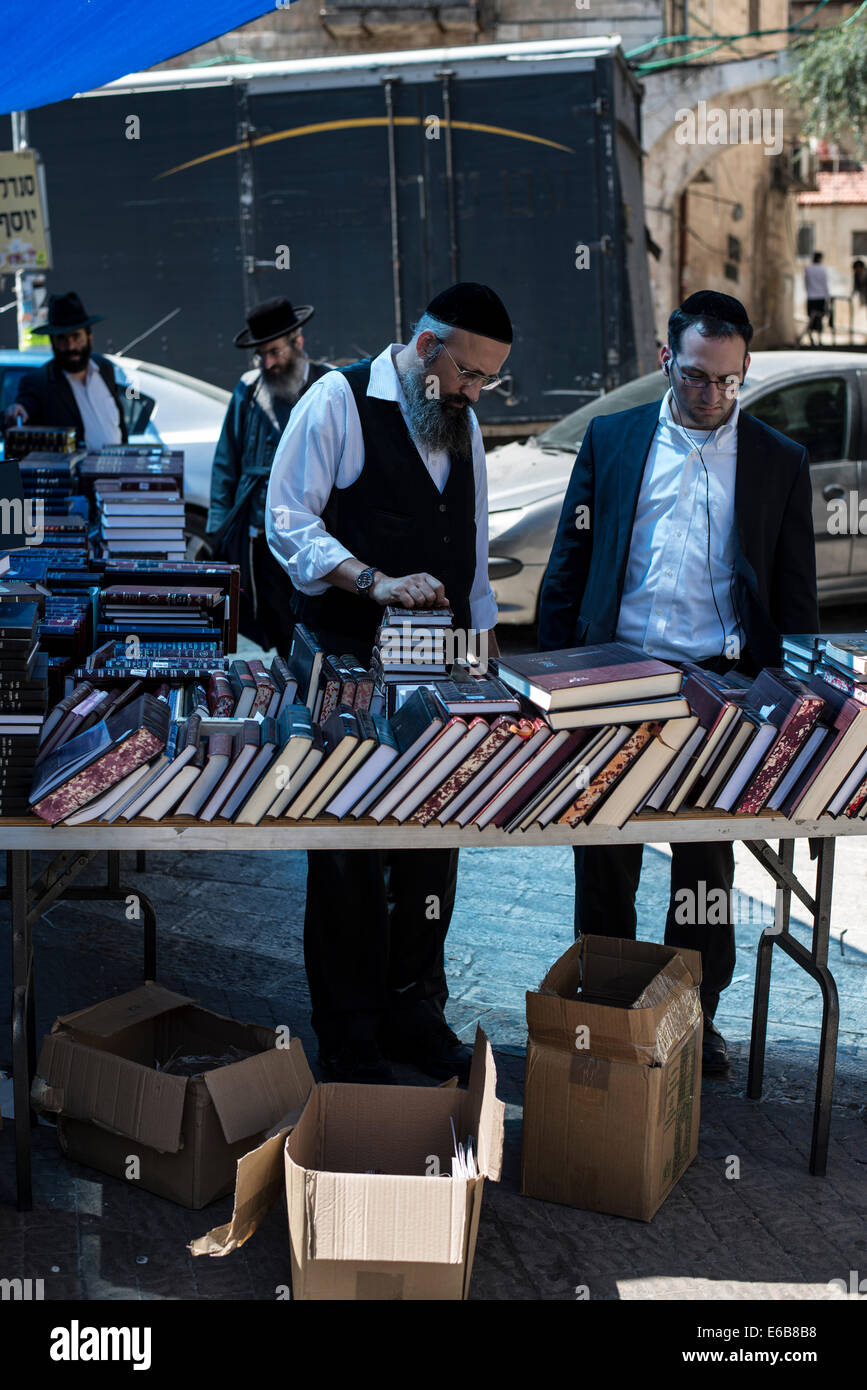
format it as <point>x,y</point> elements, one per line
<point>483,605</point>
<point>306,465</point>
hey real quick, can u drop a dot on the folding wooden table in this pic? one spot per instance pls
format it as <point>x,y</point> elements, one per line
<point>75,847</point>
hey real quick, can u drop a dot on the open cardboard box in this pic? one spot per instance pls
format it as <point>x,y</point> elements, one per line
<point>613,1079</point>
<point>97,1073</point>
<point>369,1217</point>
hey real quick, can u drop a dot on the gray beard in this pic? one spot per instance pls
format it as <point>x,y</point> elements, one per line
<point>287,386</point>
<point>434,424</point>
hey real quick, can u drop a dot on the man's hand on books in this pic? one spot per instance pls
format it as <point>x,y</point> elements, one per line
<point>15,415</point>
<point>409,591</point>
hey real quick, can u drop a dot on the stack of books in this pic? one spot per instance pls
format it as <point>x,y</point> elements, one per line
<point>137,465</point>
<point>50,477</point>
<point>162,613</point>
<point>138,519</point>
<point>22,440</point>
<point>179,575</point>
<point>23,696</point>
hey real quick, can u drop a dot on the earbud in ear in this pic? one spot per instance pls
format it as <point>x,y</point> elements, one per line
<point>665,368</point>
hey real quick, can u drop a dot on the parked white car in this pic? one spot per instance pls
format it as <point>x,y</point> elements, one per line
<point>817,398</point>
<point>162,406</point>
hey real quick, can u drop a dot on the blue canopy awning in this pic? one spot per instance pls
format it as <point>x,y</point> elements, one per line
<point>61,47</point>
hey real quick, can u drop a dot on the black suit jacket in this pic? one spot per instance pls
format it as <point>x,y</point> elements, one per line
<point>47,397</point>
<point>774,586</point>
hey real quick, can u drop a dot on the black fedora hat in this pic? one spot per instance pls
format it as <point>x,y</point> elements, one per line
<point>66,313</point>
<point>273,318</point>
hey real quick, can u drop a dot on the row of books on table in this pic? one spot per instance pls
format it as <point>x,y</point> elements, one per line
<point>591,735</point>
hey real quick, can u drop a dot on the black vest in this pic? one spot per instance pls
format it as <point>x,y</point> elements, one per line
<point>394,518</point>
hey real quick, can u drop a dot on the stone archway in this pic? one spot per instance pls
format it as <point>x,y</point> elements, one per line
<point>717,204</point>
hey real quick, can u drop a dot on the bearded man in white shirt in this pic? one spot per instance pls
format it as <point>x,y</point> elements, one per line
<point>378,495</point>
<point>700,546</point>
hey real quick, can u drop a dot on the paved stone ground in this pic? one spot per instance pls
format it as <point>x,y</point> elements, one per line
<point>230,934</point>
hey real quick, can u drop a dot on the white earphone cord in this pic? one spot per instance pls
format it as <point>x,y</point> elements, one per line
<point>699,448</point>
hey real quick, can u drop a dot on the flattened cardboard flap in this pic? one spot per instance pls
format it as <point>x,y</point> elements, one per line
<point>86,1083</point>
<point>260,1173</point>
<point>114,1015</point>
<point>258,1185</point>
<point>250,1096</point>
<point>483,1113</point>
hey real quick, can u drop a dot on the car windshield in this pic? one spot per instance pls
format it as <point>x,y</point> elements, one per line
<point>568,432</point>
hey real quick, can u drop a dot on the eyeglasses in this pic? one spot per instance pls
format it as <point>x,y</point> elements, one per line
<point>697,381</point>
<point>280,354</point>
<point>487,383</point>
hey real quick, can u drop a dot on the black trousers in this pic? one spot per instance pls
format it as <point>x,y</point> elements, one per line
<point>273,621</point>
<point>375,925</point>
<point>606,881</point>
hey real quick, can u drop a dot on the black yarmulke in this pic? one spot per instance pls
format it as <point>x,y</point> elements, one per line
<point>475,308</point>
<point>716,306</point>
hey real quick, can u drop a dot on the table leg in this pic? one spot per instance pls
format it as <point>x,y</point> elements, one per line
<point>764,960</point>
<point>830,1008</point>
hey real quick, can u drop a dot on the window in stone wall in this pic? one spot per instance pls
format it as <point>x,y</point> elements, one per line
<point>859,243</point>
<point>806,238</point>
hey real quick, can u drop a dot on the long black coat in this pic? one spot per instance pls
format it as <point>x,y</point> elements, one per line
<point>47,397</point>
<point>774,589</point>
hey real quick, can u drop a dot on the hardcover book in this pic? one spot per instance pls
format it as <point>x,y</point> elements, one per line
<point>134,735</point>
<point>582,676</point>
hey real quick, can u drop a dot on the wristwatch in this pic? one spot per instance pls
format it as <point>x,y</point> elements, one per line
<point>364,581</point>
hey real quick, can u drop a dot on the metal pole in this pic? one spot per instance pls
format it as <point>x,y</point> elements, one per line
<point>19,142</point>
<point>450,175</point>
<point>392,193</point>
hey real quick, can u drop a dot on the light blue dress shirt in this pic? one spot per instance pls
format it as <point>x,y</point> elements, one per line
<point>667,606</point>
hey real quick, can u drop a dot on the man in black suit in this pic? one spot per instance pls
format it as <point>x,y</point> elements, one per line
<point>77,388</point>
<point>687,531</point>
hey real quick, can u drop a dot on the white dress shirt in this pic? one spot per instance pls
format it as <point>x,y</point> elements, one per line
<point>323,447</point>
<point>667,606</point>
<point>96,407</point>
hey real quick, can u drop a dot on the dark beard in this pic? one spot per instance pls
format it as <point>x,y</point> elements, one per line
<point>286,384</point>
<point>439,424</point>
<point>73,361</point>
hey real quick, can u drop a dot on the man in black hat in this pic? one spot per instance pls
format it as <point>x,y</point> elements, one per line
<point>379,496</point>
<point>257,416</point>
<point>699,545</point>
<point>77,388</point>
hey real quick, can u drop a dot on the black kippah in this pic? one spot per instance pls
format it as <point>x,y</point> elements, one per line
<point>716,306</point>
<point>475,308</point>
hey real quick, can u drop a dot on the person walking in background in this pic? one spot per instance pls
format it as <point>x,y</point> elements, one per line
<point>818,297</point>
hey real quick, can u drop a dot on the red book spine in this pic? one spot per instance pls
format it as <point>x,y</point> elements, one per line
<point>329,698</point>
<point>221,701</point>
<point>437,801</point>
<point>108,770</point>
<point>785,747</point>
<point>610,773</point>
